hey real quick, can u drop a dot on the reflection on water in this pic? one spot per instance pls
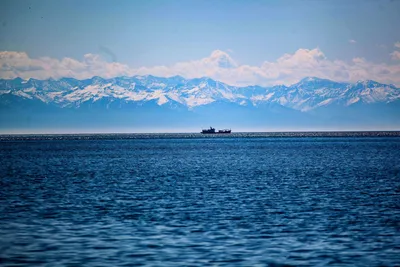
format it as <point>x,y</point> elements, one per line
<point>118,200</point>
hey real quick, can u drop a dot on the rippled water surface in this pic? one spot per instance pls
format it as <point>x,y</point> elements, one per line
<point>191,201</point>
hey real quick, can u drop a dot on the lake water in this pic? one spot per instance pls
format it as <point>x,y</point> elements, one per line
<point>192,200</point>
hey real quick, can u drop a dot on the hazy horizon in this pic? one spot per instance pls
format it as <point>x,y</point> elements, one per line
<point>191,130</point>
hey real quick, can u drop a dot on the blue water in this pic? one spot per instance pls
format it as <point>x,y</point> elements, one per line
<point>195,201</point>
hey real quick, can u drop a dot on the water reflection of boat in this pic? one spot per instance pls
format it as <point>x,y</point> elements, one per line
<point>212,131</point>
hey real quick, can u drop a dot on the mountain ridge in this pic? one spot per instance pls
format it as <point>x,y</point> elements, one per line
<point>177,102</point>
<point>307,94</point>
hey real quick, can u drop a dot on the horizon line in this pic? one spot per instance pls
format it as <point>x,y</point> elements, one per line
<point>198,132</point>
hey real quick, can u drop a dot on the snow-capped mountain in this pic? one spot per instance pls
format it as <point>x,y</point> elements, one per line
<point>168,102</point>
<point>308,94</point>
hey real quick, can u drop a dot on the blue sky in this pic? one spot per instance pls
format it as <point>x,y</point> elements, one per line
<point>160,34</point>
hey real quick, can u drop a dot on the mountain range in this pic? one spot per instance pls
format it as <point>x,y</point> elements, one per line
<point>159,103</point>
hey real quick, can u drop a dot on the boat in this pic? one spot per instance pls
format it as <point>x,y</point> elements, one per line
<point>212,131</point>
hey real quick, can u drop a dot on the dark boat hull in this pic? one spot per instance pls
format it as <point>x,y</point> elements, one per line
<point>212,131</point>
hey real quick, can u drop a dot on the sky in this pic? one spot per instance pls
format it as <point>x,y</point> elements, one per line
<point>237,42</point>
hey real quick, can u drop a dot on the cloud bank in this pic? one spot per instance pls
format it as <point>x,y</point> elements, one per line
<point>219,65</point>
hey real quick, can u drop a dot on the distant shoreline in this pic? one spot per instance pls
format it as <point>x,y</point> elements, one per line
<point>116,136</point>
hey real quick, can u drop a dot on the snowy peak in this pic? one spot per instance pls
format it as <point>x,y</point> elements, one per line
<point>310,79</point>
<point>308,94</point>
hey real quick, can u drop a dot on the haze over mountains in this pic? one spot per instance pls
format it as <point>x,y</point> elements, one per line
<point>149,103</point>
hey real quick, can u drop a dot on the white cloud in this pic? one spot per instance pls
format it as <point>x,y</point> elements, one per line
<point>395,55</point>
<point>287,69</point>
<point>19,64</point>
<point>352,41</point>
